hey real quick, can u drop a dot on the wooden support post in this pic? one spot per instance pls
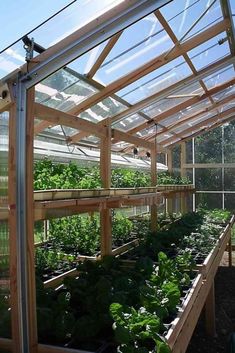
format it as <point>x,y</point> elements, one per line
<point>183,199</point>
<point>14,295</point>
<point>33,340</point>
<point>169,204</point>
<point>154,183</point>
<point>105,173</point>
<point>210,312</point>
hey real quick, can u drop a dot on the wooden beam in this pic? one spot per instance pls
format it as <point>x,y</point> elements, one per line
<point>210,311</point>
<point>137,141</point>
<point>153,208</point>
<point>105,173</point>
<point>208,121</point>
<point>15,314</point>
<point>189,118</point>
<point>158,95</point>
<point>169,203</point>
<point>152,65</point>
<point>57,117</point>
<point>203,131</point>
<point>183,197</point>
<point>164,115</point>
<point>109,46</point>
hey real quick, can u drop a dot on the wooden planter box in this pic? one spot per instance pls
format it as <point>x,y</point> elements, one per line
<point>217,251</point>
<point>171,337</point>
<point>174,187</point>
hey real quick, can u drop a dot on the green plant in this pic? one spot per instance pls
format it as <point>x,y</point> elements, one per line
<point>77,233</point>
<point>121,228</point>
<point>137,331</point>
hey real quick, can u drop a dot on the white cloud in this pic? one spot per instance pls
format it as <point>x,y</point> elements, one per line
<point>15,55</point>
<point>7,65</point>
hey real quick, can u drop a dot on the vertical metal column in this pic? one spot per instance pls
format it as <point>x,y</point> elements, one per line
<point>21,122</point>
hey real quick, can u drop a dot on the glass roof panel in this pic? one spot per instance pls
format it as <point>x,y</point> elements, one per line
<point>189,111</point>
<point>63,90</point>
<point>182,14</point>
<point>163,105</point>
<point>104,109</point>
<point>209,52</point>
<point>219,77</point>
<point>129,123</point>
<point>157,80</point>
<point>225,93</point>
<point>137,45</point>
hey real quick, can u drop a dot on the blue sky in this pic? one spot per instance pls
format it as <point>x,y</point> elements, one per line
<point>28,14</point>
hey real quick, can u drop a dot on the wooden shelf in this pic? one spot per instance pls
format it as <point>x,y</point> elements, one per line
<point>66,202</point>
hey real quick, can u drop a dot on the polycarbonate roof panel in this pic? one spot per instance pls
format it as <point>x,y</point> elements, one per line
<point>104,109</point>
<point>163,77</point>
<point>129,122</point>
<point>219,77</point>
<point>188,14</point>
<point>225,93</point>
<point>188,112</point>
<point>137,45</point>
<point>63,90</point>
<point>209,52</point>
<point>163,105</point>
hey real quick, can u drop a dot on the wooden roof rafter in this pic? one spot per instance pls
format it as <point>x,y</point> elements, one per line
<point>189,102</point>
<point>109,46</point>
<point>201,124</point>
<point>186,119</point>
<point>136,108</point>
<point>202,131</point>
<point>147,68</point>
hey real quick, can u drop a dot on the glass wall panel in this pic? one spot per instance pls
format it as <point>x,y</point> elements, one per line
<point>229,179</point>
<point>229,202</point>
<point>209,201</point>
<point>208,147</point>
<point>208,179</point>
<point>229,145</point>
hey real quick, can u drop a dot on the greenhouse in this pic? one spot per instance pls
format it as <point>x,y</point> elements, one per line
<point>117,176</point>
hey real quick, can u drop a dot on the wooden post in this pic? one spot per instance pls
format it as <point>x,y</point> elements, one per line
<point>105,173</point>
<point>14,295</point>
<point>183,200</point>
<point>153,208</point>
<point>169,204</point>
<point>33,339</point>
<point>210,312</point>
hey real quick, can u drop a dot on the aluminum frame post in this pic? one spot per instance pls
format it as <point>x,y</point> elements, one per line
<point>21,202</point>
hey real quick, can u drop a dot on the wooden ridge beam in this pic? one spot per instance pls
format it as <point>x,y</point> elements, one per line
<point>57,117</point>
<point>211,120</point>
<point>152,65</point>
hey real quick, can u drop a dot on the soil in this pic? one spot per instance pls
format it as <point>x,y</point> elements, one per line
<point>225,314</point>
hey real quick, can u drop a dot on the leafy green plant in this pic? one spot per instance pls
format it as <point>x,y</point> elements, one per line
<point>77,233</point>
<point>137,330</point>
<point>121,228</point>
